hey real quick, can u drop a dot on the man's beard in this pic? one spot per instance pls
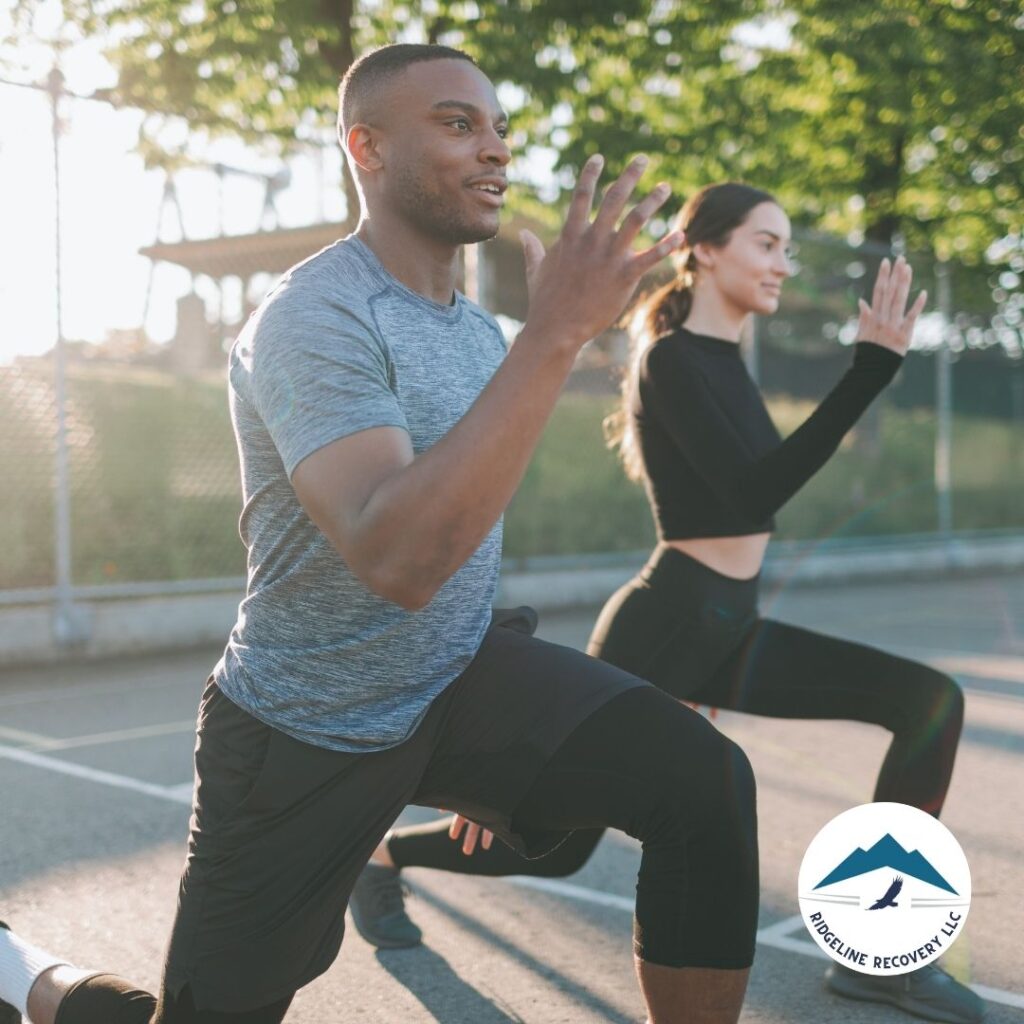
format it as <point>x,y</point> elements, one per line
<point>438,215</point>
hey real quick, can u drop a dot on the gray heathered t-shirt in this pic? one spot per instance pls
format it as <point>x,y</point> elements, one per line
<point>340,346</point>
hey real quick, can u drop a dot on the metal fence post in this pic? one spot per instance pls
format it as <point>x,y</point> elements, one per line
<point>67,629</point>
<point>944,404</point>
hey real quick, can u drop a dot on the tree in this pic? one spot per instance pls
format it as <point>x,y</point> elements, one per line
<point>896,116</point>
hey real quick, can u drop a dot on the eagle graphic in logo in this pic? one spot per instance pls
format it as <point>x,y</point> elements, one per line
<point>889,899</point>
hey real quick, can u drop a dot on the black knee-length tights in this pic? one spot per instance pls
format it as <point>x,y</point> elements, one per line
<point>697,635</point>
<point>628,765</point>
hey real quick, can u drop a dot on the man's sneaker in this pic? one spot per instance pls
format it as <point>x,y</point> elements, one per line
<point>378,909</point>
<point>8,1014</point>
<point>928,992</point>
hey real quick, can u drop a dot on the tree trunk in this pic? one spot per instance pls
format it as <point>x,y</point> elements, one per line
<point>339,56</point>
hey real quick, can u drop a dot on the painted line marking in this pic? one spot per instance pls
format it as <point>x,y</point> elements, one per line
<point>1002,668</point>
<point>77,771</point>
<point>115,736</point>
<point>38,741</point>
<point>80,690</point>
<point>23,737</point>
<point>572,892</point>
<point>775,936</point>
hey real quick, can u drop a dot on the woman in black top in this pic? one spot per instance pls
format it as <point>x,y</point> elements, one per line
<point>693,428</point>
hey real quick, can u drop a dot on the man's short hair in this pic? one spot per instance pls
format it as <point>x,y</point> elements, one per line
<point>366,75</point>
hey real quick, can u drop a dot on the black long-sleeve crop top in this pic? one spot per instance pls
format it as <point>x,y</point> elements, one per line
<point>715,466</point>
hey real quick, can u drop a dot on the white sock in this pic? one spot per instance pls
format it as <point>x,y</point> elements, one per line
<point>20,964</point>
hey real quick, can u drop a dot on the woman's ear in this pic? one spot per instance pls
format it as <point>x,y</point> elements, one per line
<point>704,256</point>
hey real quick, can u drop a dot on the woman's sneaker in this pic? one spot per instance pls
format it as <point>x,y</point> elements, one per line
<point>378,909</point>
<point>929,993</point>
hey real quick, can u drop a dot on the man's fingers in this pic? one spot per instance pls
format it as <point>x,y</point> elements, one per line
<point>618,194</point>
<point>456,826</point>
<point>488,838</point>
<point>583,196</point>
<point>643,261</point>
<point>533,251</point>
<point>642,213</point>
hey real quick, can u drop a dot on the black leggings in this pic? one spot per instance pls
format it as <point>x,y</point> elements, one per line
<point>696,634</point>
<point>630,765</point>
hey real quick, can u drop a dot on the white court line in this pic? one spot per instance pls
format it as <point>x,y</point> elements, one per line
<point>141,732</point>
<point>1004,668</point>
<point>573,892</point>
<point>81,690</point>
<point>775,936</point>
<point>172,793</point>
<point>37,741</point>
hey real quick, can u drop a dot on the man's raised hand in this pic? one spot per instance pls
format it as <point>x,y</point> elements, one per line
<point>581,285</point>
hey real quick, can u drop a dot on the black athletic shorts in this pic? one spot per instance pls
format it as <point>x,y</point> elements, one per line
<point>281,829</point>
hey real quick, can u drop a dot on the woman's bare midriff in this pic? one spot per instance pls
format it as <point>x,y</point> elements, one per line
<point>738,557</point>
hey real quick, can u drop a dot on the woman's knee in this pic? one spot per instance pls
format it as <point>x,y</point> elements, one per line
<point>936,700</point>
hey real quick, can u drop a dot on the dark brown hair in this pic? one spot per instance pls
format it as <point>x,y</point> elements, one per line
<point>709,216</point>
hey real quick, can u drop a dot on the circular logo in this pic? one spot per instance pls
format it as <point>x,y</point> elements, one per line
<point>884,888</point>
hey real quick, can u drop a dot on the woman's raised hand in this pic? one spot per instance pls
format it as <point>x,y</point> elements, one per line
<point>887,321</point>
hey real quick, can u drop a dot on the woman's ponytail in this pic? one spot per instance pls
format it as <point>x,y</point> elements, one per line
<point>709,217</point>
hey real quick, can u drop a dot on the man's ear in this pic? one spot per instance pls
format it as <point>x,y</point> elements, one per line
<point>363,145</point>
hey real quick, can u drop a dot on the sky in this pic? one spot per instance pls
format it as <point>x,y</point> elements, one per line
<point>110,206</point>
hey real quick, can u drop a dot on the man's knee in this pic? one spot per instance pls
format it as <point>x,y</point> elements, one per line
<point>568,857</point>
<point>725,801</point>
<point>711,792</point>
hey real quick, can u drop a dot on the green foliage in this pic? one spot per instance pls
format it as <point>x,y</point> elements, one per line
<point>574,496</point>
<point>155,493</point>
<point>27,428</point>
<point>898,115</point>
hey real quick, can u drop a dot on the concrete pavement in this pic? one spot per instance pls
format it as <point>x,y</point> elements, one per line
<point>94,782</point>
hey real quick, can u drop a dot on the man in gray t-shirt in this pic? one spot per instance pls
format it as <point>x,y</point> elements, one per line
<point>340,347</point>
<point>382,430</point>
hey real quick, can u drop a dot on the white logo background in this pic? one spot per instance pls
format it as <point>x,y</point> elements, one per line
<point>926,917</point>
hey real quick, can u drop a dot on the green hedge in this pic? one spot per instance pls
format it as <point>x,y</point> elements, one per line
<point>155,491</point>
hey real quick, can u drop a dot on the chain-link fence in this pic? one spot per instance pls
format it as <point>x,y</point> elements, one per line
<point>130,477</point>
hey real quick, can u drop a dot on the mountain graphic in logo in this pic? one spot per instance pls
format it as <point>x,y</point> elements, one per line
<point>886,853</point>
